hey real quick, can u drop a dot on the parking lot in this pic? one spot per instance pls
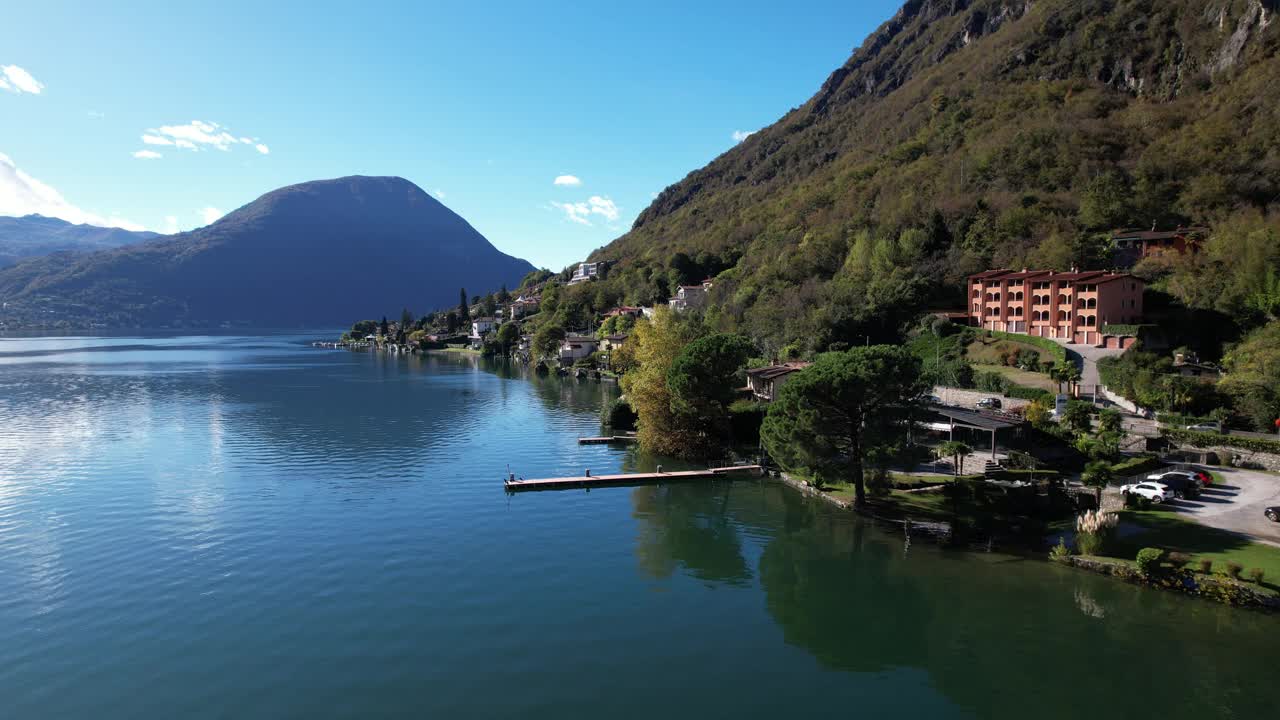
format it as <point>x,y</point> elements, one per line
<point>1237,503</point>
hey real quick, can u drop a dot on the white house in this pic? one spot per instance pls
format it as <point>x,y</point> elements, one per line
<point>479,328</point>
<point>576,347</point>
<point>690,296</point>
<point>585,272</point>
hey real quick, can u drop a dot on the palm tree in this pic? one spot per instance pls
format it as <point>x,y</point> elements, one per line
<point>1097,475</point>
<point>956,451</point>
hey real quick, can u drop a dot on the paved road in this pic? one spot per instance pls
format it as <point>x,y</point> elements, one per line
<point>1237,504</point>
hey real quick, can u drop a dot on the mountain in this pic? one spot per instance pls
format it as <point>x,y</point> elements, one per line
<point>314,253</point>
<point>968,134</point>
<point>35,235</point>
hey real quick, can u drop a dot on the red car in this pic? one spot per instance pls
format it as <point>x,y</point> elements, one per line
<point>1202,475</point>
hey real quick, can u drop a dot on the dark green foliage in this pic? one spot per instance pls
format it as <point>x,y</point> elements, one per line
<point>1078,417</point>
<point>833,416</point>
<point>1207,440</point>
<point>1148,560</point>
<point>1135,466</point>
<point>705,374</point>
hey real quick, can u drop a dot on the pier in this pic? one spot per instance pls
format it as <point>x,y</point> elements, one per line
<point>607,440</point>
<point>623,479</point>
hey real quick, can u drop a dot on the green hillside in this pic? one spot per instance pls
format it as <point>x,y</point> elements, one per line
<point>967,135</point>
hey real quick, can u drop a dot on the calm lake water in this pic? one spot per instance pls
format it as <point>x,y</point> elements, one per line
<point>247,527</point>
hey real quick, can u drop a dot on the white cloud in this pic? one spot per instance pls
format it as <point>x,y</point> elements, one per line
<point>21,194</point>
<point>438,193</point>
<point>95,115</point>
<point>740,135</point>
<point>147,155</point>
<point>199,135</point>
<point>581,212</point>
<point>568,181</point>
<point>210,215</point>
<point>170,225</point>
<point>18,80</point>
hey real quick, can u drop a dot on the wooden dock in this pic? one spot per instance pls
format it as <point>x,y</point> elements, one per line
<point>584,481</point>
<point>607,440</point>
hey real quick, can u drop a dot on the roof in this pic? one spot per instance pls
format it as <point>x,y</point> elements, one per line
<point>1138,234</point>
<point>978,419</point>
<point>580,339</point>
<point>776,371</point>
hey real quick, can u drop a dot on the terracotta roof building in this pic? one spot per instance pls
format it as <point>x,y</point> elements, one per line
<point>1072,306</point>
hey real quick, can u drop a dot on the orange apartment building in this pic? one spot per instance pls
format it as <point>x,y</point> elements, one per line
<point>1073,306</point>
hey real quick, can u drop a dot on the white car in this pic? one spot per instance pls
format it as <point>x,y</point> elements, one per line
<point>1205,427</point>
<point>1153,491</point>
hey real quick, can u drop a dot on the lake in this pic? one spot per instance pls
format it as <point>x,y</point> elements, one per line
<point>248,527</point>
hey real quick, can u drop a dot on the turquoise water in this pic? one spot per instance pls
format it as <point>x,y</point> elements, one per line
<point>247,527</point>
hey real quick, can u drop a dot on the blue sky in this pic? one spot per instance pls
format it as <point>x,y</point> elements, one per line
<point>483,104</point>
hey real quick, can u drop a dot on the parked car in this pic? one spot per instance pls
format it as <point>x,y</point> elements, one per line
<point>1273,513</point>
<point>989,403</point>
<point>1205,478</point>
<point>931,400</point>
<point>1183,484</point>
<point>1155,492</point>
<point>1210,427</point>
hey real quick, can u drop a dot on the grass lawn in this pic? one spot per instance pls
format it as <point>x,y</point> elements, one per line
<point>1170,531</point>
<point>1022,377</point>
<point>985,351</point>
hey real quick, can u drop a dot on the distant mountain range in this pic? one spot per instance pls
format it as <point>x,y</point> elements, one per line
<point>36,235</point>
<point>328,251</point>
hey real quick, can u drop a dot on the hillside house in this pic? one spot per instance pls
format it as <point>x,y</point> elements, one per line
<point>1071,306</point>
<point>1135,245</point>
<point>480,327</point>
<point>690,297</point>
<point>764,383</point>
<point>576,347</point>
<point>522,306</point>
<point>585,272</point>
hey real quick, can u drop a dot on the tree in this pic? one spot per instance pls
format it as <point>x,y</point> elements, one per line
<point>656,344</point>
<point>956,451</point>
<point>702,380</point>
<point>464,310</point>
<point>1065,374</point>
<point>546,342</point>
<point>1110,421</point>
<point>1037,413</point>
<point>1078,416</point>
<point>508,335</point>
<point>831,415</point>
<point>1097,475</point>
<point>503,297</point>
<point>384,329</point>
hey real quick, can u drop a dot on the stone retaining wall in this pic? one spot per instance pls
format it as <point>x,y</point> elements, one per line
<point>1240,456</point>
<point>967,398</point>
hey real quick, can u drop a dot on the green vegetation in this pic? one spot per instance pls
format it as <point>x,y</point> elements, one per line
<point>844,411</point>
<point>1206,440</point>
<point>1148,560</point>
<point>1171,531</point>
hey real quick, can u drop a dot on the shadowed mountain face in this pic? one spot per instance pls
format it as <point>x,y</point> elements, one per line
<point>327,251</point>
<point>36,235</point>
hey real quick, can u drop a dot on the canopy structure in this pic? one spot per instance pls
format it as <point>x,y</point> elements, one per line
<point>949,418</point>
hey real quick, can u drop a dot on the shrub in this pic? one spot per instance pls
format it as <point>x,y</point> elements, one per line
<point>619,415</point>
<point>1148,560</point>
<point>878,483</point>
<point>1234,569</point>
<point>1178,560</point>
<point>1022,392</point>
<point>1206,567</point>
<point>1256,575</point>
<point>1060,552</point>
<point>1136,502</point>
<point>1205,439</point>
<point>990,381</point>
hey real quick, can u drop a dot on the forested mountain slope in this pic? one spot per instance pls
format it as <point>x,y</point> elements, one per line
<point>966,135</point>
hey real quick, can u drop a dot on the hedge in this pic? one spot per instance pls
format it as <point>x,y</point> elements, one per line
<point>1136,466</point>
<point>1120,329</point>
<point>1022,392</point>
<point>1058,352</point>
<point>1208,439</point>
